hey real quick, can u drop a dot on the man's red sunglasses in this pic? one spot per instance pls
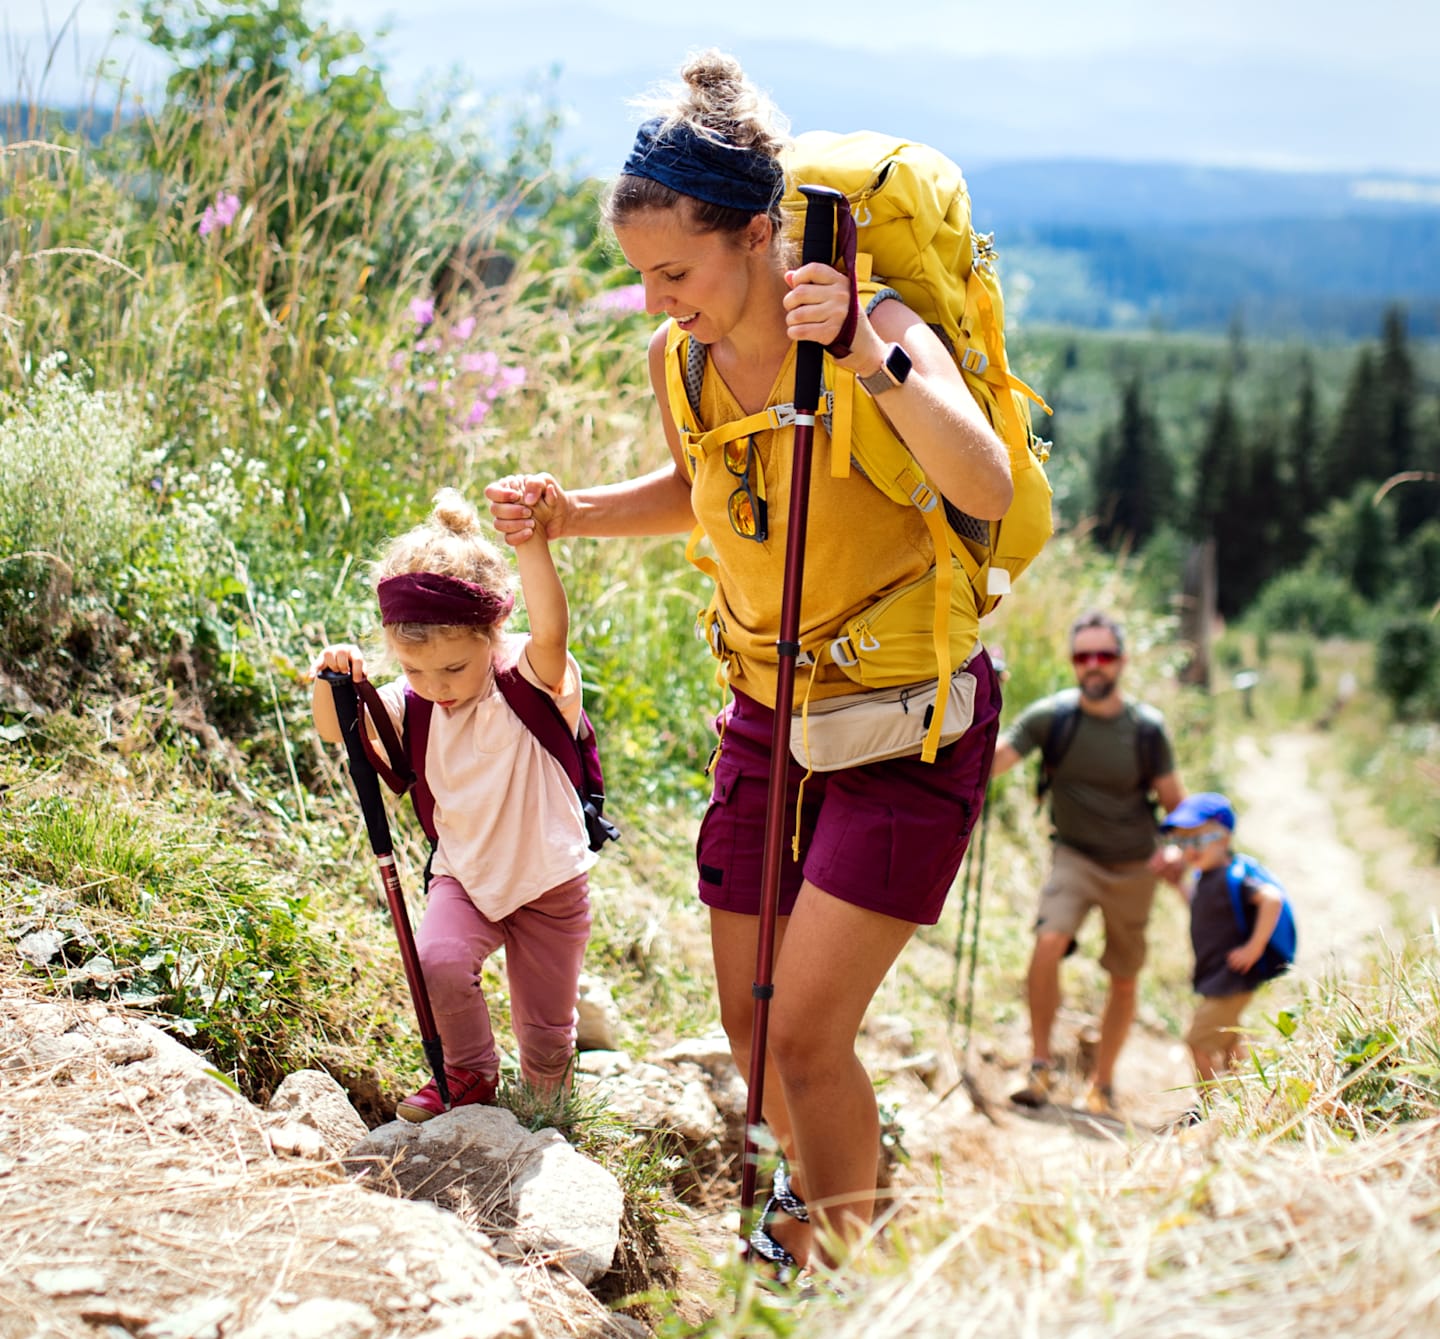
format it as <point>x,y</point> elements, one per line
<point>1095,657</point>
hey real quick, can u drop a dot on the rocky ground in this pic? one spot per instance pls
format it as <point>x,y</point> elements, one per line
<point>140,1195</point>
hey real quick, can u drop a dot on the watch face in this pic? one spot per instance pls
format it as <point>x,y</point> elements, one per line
<point>897,364</point>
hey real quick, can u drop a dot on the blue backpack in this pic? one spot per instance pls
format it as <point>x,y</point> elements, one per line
<point>1279,953</point>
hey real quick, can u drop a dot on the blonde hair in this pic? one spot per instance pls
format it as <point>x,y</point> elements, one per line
<point>714,99</point>
<point>452,543</point>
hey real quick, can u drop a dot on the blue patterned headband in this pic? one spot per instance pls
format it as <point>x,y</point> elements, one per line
<point>695,165</point>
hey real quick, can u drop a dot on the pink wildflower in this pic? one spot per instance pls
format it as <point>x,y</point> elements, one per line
<point>510,378</point>
<point>477,414</point>
<point>483,364</point>
<point>398,362</point>
<point>464,328</point>
<point>219,215</point>
<point>631,298</point>
<point>427,346</point>
<point>422,311</point>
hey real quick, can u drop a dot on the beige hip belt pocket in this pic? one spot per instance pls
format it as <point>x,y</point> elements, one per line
<point>862,728</point>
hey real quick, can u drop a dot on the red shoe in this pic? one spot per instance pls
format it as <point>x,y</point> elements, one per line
<point>467,1088</point>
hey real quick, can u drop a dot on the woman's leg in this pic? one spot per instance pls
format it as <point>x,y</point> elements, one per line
<point>544,950</point>
<point>733,944</point>
<point>453,941</point>
<point>826,973</point>
<point>830,958</point>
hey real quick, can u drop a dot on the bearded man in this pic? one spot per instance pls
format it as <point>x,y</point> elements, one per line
<point>1103,758</point>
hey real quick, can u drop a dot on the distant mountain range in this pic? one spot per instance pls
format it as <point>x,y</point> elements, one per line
<point>1124,245</point>
<point>1114,245</point>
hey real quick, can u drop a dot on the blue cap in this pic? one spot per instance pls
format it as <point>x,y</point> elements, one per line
<point>1195,810</point>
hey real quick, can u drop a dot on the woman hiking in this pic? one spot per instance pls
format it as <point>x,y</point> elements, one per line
<point>696,211</point>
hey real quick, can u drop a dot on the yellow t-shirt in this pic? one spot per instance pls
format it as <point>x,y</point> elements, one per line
<point>859,544</point>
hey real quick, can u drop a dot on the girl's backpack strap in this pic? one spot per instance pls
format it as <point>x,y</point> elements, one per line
<point>392,767</point>
<point>578,755</point>
<point>539,714</point>
<point>418,711</point>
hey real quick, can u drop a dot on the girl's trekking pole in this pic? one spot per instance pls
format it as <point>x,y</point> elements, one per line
<point>372,806</point>
<point>818,245</point>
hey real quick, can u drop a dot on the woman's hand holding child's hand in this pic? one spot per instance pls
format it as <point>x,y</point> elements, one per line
<point>522,504</point>
<point>343,657</point>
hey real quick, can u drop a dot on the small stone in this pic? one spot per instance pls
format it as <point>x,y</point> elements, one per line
<point>41,947</point>
<point>71,1281</point>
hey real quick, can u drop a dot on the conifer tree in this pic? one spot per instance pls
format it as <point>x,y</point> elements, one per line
<point>1133,481</point>
<point>1352,456</point>
<point>1306,449</point>
<point>1226,508</point>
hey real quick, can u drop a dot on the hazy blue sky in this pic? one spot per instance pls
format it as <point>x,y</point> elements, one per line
<point>1304,83</point>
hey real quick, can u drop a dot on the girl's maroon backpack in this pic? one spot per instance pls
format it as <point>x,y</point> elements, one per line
<point>579,756</point>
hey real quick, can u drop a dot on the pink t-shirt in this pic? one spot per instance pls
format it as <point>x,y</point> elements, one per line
<point>508,821</point>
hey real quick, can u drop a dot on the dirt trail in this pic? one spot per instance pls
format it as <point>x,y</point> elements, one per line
<point>1351,877</point>
<point>1354,881</point>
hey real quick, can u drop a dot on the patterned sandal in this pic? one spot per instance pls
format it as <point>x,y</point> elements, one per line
<point>782,1200</point>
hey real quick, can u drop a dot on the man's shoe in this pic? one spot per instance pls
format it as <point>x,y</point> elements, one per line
<point>1100,1100</point>
<point>1036,1093</point>
<point>468,1087</point>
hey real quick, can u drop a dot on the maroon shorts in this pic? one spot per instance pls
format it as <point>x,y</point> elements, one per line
<point>888,837</point>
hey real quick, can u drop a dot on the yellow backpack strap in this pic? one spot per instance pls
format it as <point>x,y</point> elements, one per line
<point>981,365</point>
<point>683,415</point>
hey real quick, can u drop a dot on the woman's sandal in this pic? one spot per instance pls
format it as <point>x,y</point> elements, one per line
<point>782,1200</point>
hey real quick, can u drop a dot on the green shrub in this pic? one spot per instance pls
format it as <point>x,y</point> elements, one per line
<point>1309,601</point>
<point>69,458</point>
<point>1407,664</point>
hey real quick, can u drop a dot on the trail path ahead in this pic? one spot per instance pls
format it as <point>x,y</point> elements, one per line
<point>1356,884</point>
<point>1352,878</point>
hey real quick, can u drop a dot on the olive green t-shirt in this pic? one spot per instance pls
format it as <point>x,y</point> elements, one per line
<point>1096,802</point>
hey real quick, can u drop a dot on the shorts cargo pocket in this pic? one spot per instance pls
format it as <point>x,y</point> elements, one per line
<point>715,846</point>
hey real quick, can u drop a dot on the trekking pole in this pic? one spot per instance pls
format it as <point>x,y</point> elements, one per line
<point>367,790</point>
<point>973,879</point>
<point>818,245</point>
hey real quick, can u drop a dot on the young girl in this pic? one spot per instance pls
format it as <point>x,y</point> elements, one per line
<point>696,212</point>
<point>511,858</point>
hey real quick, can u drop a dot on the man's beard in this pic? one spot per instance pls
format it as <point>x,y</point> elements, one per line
<point>1096,687</point>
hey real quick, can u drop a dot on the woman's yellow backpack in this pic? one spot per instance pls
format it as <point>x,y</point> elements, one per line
<point>915,239</point>
<point>912,213</point>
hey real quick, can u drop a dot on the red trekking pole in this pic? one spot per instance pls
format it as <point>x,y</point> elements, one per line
<point>372,807</point>
<point>818,245</point>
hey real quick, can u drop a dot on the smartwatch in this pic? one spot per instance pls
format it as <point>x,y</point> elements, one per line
<point>893,371</point>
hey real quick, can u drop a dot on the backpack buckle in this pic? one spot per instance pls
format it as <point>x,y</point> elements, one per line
<point>783,415</point>
<point>841,653</point>
<point>923,497</point>
<point>972,360</point>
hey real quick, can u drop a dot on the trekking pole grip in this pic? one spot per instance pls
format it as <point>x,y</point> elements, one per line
<point>817,245</point>
<point>363,776</point>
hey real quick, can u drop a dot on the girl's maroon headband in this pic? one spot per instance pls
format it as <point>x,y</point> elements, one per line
<point>430,597</point>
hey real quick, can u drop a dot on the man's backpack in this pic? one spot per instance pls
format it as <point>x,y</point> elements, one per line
<point>578,754</point>
<point>1061,734</point>
<point>1279,954</point>
<point>915,241</point>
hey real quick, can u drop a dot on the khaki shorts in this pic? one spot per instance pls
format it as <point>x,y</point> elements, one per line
<point>1213,1029</point>
<point>1123,893</point>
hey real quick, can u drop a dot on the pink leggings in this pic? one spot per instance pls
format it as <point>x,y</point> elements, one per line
<point>544,943</point>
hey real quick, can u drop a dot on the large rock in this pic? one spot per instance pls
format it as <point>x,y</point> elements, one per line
<point>532,1192</point>
<point>311,1101</point>
<point>597,1017</point>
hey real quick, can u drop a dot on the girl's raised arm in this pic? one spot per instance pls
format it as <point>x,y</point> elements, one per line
<point>545,601</point>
